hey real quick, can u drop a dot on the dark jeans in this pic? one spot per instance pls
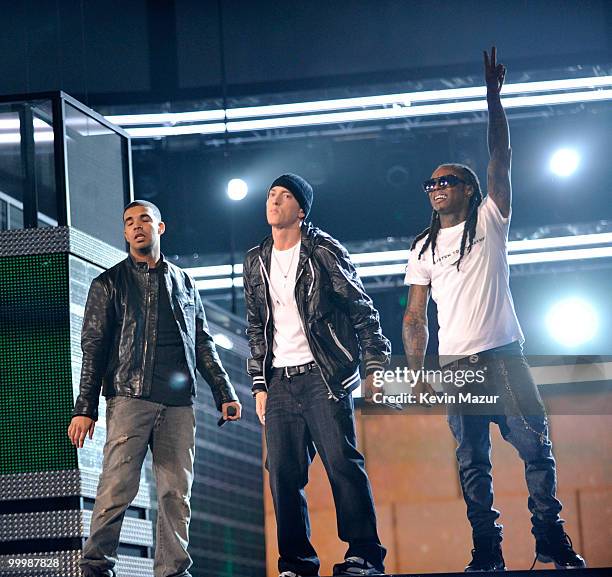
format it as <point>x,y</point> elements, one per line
<point>522,421</point>
<point>301,419</point>
<point>133,425</point>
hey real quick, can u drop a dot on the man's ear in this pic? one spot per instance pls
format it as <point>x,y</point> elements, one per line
<point>301,213</point>
<point>161,227</point>
<point>469,190</point>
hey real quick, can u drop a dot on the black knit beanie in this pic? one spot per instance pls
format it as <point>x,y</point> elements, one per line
<point>299,187</point>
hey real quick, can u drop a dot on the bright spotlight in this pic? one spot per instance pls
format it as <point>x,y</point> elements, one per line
<point>237,189</point>
<point>572,322</point>
<point>564,162</point>
<point>224,341</point>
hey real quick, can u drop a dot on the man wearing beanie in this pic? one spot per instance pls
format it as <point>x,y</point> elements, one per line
<point>309,322</point>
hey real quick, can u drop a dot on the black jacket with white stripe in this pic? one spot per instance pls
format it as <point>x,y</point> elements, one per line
<point>338,317</point>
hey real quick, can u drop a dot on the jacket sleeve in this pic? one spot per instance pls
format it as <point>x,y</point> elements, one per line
<point>96,335</point>
<point>255,332</point>
<point>350,294</point>
<point>208,362</point>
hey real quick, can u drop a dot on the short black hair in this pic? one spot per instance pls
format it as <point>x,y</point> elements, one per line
<point>156,211</point>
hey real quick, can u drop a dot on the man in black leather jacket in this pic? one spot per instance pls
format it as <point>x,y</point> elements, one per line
<point>144,334</point>
<point>310,323</point>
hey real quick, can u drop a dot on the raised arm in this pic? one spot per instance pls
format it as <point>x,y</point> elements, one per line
<point>500,154</point>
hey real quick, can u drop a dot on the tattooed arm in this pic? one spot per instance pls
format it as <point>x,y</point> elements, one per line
<point>415,332</point>
<point>500,154</point>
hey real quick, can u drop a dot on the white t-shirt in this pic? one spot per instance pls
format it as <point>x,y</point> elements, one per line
<point>475,307</point>
<point>290,347</point>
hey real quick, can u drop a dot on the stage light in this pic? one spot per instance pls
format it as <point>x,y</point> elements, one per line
<point>398,99</point>
<point>560,255</point>
<point>564,162</point>
<point>560,242</point>
<point>206,271</point>
<point>167,117</point>
<point>223,341</point>
<point>357,109</point>
<point>362,260</point>
<point>184,129</point>
<point>218,283</point>
<point>213,284</point>
<point>382,270</point>
<point>572,322</point>
<point>237,189</point>
<point>413,111</point>
<point>410,98</point>
<point>15,137</point>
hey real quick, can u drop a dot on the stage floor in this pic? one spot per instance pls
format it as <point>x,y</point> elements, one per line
<point>596,572</point>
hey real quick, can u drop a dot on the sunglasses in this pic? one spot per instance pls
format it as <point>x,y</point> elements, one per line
<point>448,180</point>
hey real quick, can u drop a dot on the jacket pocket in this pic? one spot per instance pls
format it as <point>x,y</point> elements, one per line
<point>187,306</point>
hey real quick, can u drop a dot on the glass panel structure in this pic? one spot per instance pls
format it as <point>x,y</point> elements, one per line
<point>26,135</point>
<point>62,164</point>
<point>96,179</point>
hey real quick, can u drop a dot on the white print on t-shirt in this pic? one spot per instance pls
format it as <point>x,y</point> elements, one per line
<point>455,253</point>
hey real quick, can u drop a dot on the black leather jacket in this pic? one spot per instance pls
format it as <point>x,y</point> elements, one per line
<point>338,317</point>
<point>120,331</point>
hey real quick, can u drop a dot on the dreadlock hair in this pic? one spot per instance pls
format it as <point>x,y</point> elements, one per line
<point>469,228</point>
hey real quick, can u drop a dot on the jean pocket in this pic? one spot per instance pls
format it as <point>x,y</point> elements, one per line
<point>273,382</point>
<point>454,424</point>
<point>114,402</point>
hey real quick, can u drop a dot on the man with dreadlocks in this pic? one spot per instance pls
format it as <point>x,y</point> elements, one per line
<point>462,260</point>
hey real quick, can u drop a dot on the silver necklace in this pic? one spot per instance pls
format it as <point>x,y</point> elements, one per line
<point>285,274</point>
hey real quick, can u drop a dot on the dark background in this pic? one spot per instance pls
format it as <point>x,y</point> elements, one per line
<point>121,52</point>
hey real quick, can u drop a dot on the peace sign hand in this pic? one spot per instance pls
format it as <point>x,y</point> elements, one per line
<point>494,73</point>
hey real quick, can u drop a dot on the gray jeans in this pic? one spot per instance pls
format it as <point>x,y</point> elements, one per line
<point>132,426</point>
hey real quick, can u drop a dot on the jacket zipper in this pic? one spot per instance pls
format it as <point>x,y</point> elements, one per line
<point>331,394</point>
<point>263,278</point>
<point>144,360</point>
<point>337,341</point>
